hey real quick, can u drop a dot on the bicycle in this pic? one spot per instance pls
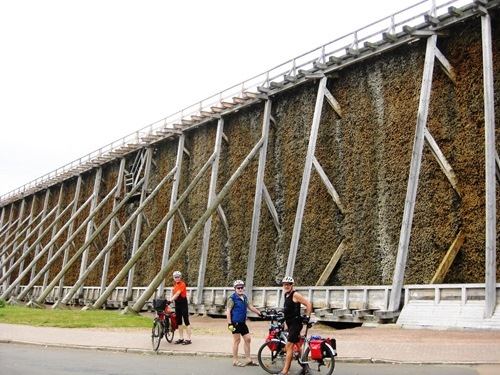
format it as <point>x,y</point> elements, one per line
<point>318,354</point>
<point>164,323</point>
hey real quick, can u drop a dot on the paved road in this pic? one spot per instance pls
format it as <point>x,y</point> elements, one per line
<point>17,359</point>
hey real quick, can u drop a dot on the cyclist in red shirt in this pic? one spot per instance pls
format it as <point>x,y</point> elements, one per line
<point>179,295</point>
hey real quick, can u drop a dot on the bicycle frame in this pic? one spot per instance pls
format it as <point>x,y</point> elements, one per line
<point>162,326</point>
<point>274,349</point>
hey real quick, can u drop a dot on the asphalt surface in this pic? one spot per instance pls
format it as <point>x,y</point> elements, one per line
<point>377,343</point>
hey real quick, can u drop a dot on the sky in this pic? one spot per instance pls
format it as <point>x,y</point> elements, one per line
<point>78,75</point>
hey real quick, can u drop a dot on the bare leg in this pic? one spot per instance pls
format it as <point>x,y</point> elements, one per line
<point>289,357</point>
<point>236,343</point>
<point>246,345</point>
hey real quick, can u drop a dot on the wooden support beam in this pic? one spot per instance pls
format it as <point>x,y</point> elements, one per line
<point>331,265</point>
<point>497,167</point>
<point>263,89</point>
<point>371,45</point>
<point>289,78</point>
<point>446,66</point>
<point>490,153</point>
<point>318,75</point>
<point>434,21</point>
<point>239,100</point>
<point>329,186</point>
<point>388,37</point>
<point>333,102</point>
<point>217,109</point>
<point>450,255</point>
<point>416,161</point>
<point>212,195</point>
<point>335,59</point>
<point>441,159</point>
<point>455,12</point>
<point>319,65</point>
<point>197,118</point>
<point>354,52</point>
<point>271,208</point>
<point>313,135</point>
<point>277,85</point>
<point>260,189</point>
<point>250,95</point>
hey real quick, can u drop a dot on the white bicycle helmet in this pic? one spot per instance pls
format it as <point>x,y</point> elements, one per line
<point>288,280</point>
<point>177,274</point>
<point>238,282</point>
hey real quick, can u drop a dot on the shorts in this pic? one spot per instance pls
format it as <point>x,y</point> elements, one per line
<point>294,328</point>
<point>182,312</point>
<point>241,328</point>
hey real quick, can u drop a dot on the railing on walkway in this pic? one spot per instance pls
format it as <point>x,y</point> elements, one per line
<point>460,293</point>
<point>349,304</point>
<point>454,306</point>
<point>388,26</point>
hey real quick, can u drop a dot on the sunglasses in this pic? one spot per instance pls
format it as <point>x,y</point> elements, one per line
<point>240,287</point>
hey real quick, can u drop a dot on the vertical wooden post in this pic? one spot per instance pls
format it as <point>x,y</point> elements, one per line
<point>17,231</point>
<point>208,224</point>
<point>40,230</point>
<point>69,234</point>
<point>4,262</point>
<point>91,223</point>
<point>490,152</point>
<point>54,232</point>
<point>257,204</point>
<point>306,177</point>
<point>416,161</point>
<point>112,224</point>
<point>173,199</point>
<point>138,223</point>
<point>28,227</point>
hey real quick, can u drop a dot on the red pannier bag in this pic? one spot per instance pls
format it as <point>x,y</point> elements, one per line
<point>315,346</point>
<point>270,336</point>
<point>173,321</point>
<point>332,343</point>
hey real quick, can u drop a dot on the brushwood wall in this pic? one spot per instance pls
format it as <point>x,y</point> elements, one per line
<point>365,153</point>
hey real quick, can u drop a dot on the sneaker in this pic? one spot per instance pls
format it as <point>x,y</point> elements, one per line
<point>186,342</point>
<point>180,341</point>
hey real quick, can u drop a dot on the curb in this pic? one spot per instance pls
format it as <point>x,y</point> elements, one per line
<point>227,355</point>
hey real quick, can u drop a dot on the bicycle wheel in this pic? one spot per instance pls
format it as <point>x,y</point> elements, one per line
<point>271,356</point>
<point>323,366</point>
<point>169,332</point>
<point>156,334</point>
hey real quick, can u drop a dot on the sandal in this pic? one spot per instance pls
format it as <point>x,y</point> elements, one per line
<point>238,364</point>
<point>180,341</point>
<point>251,363</point>
<point>186,342</point>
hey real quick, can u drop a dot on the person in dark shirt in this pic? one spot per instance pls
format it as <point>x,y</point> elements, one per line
<point>293,319</point>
